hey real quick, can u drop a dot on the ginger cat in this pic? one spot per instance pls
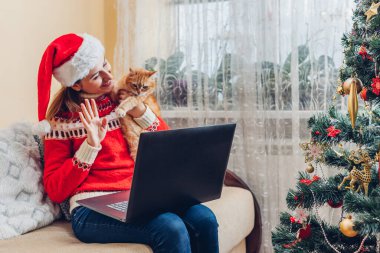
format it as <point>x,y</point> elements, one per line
<point>132,89</point>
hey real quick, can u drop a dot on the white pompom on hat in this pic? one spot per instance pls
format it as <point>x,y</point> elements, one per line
<point>68,58</point>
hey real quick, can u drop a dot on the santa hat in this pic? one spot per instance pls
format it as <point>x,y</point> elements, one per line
<point>68,58</point>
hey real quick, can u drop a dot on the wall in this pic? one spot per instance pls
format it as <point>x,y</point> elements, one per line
<point>26,28</point>
<point>110,28</point>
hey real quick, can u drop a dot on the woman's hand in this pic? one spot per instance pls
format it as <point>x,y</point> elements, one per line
<point>96,128</point>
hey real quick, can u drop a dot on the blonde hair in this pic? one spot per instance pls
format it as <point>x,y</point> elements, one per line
<point>65,100</point>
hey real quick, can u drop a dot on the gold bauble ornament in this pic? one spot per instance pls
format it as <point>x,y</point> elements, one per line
<point>346,226</point>
<point>346,86</point>
<point>339,90</point>
<point>309,168</point>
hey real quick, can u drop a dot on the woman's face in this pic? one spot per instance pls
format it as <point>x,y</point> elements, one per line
<point>98,81</point>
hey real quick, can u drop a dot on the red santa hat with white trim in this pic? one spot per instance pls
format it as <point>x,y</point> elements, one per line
<point>68,58</point>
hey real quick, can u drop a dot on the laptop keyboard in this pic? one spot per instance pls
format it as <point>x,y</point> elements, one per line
<point>120,206</point>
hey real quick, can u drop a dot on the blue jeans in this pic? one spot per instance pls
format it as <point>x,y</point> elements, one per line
<point>194,230</point>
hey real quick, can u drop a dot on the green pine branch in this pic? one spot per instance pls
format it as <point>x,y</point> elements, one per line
<point>366,133</point>
<point>366,209</point>
<point>324,191</point>
<point>286,234</point>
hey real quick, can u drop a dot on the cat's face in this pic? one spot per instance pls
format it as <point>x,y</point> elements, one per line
<point>136,83</point>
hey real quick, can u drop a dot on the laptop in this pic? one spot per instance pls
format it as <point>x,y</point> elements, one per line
<point>174,170</point>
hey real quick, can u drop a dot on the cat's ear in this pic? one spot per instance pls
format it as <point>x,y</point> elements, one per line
<point>151,73</point>
<point>131,71</point>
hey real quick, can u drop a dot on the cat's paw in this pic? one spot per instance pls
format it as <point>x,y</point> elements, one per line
<point>120,112</point>
<point>128,104</point>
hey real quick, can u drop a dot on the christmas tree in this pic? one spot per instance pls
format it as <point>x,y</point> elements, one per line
<point>346,143</point>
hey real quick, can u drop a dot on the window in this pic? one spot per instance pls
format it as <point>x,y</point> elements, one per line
<point>221,54</point>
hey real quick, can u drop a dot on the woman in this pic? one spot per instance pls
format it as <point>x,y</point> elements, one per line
<point>86,154</point>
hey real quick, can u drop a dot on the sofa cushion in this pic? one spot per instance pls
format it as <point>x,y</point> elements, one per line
<point>234,212</point>
<point>235,215</point>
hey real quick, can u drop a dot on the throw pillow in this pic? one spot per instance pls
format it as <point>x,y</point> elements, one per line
<point>65,205</point>
<point>24,206</point>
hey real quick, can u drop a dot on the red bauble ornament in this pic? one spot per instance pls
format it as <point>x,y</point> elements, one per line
<point>335,205</point>
<point>292,219</point>
<point>363,94</point>
<point>376,85</point>
<point>304,232</point>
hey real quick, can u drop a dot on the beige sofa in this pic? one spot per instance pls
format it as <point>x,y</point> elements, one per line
<point>237,212</point>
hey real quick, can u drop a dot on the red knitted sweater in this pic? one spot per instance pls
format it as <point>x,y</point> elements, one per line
<point>72,166</point>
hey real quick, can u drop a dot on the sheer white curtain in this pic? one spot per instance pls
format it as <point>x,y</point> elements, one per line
<point>267,65</point>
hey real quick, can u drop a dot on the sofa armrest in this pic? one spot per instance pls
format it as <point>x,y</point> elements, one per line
<point>253,240</point>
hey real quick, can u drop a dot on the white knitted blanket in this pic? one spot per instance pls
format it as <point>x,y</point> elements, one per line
<point>23,204</point>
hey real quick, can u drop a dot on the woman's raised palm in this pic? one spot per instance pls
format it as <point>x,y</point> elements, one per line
<point>96,128</point>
